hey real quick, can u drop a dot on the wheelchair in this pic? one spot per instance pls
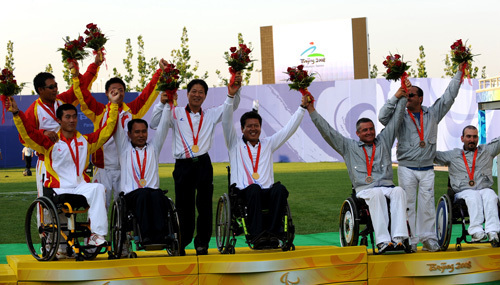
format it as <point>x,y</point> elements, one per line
<point>231,218</point>
<point>354,214</point>
<point>125,229</point>
<point>45,232</point>
<point>450,212</point>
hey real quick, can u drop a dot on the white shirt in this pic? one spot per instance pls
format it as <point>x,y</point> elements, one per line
<point>27,151</point>
<point>130,170</point>
<point>183,135</point>
<point>239,159</point>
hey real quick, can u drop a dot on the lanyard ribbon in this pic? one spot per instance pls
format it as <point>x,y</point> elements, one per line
<point>142,168</point>
<point>195,138</point>
<point>421,130</point>
<point>51,113</point>
<point>255,166</point>
<point>470,171</point>
<point>369,162</point>
<point>76,158</point>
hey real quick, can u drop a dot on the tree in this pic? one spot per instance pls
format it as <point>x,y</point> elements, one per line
<point>9,58</point>
<point>374,71</point>
<point>223,81</point>
<point>49,68</point>
<point>181,58</point>
<point>422,73</point>
<point>451,68</point>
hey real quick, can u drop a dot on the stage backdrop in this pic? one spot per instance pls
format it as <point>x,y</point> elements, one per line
<point>341,102</point>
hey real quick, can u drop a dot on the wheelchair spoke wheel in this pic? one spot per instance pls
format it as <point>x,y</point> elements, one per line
<point>117,227</point>
<point>444,221</point>
<point>42,229</point>
<point>173,249</point>
<point>223,226</point>
<point>349,223</point>
<point>289,228</point>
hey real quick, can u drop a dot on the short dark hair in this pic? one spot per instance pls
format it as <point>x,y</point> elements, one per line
<point>131,123</point>
<point>471,127</point>
<point>114,80</point>
<point>363,120</point>
<point>420,92</point>
<point>198,81</point>
<point>250,115</point>
<point>64,107</point>
<point>40,78</point>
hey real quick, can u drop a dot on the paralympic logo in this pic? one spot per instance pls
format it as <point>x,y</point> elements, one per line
<point>313,58</point>
<point>284,280</point>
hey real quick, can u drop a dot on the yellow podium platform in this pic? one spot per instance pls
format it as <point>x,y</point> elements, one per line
<point>306,265</point>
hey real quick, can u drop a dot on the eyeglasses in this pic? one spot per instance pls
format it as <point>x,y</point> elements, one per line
<point>53,86</point>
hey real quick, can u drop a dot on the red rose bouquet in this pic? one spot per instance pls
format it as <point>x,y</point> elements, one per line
<point>169,82</point>
<point>73,51</point>
<point>95,39</point>
<point>238,60</point>
<point>8,88</point>
<point>461,54</point>
<point>396,69</point>
<point>300,79</point>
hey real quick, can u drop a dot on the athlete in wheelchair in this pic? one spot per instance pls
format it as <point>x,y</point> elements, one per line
<point>251,159</point>
<point>370,170</point>
<point>142,213</point>
<point>469,192</point>
<point>66,189</point>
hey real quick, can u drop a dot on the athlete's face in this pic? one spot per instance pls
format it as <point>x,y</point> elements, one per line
<point>68,121</point>
<point>138,134</point>
<point>251,130</point>
<point>116,88</point>
<point>414,101</point>
<point>196,96</point>
<point>470,139</point>
<point>366,132</point>
<point>49,92</point>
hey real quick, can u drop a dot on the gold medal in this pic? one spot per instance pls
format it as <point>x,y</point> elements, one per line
<point>195,148</point>
<point>142,182</point>
<point>369,179</point>
<point>422,144</point>
<point>472,183</point>
<point>255,175</point>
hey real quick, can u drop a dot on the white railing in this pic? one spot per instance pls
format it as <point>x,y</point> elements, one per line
<point>488,84</point>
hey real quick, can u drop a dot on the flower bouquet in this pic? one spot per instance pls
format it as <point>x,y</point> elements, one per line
<point>461,54</point>
<point>300,79</point>
<point>396,69</point>
<point>95,40</point>
<point>169,82</point>
<point>73,51</point>
<point>238,60</point>
<point>8,88</point>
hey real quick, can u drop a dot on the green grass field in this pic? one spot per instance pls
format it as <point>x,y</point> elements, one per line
<point>317,191</point>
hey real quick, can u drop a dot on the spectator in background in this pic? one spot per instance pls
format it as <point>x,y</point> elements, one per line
<point>27,154</point>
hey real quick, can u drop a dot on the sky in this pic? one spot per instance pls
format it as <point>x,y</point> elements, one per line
<point>37,29</point>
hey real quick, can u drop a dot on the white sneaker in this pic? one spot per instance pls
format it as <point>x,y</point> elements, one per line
<point>430,245</point>
<point>479,236</point>
<point>96,240</point>
<point>493,237</point>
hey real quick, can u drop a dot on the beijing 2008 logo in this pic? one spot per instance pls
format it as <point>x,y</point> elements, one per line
<point>310,58</point>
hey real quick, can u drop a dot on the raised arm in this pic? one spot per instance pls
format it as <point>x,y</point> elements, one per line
<point>140,105</point>
<point>387,111</point>
<point>162,131</point>
<point>388,135</point>
<point>444,103</point>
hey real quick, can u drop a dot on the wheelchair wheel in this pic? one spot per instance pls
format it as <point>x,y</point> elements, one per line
<point>444,222</point>
<point>42,229</point>
<point>223,226</point>
<point>173,249</point>
<point>117,227</point>
<point>289,229</point>
<point>349,223</point>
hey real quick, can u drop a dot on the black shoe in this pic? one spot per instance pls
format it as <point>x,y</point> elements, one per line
<point>201,250</point>
<point>182,252</point>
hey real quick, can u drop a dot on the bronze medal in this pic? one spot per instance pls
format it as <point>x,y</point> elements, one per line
<point>255,175</point>
<point>142,182</point>
<point>369,179</point>
<point>195,148</point>
<point>472,183</point>
<point>422,144</point>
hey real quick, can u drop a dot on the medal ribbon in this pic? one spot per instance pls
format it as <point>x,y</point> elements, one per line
<point>51,113</point>
<point>421,131</point>
<point>369,163</point>
<point>195,139</point>
<point>143,168</point>
<point>256,166</point>
<point>470,171</point>
<point>76,159</point>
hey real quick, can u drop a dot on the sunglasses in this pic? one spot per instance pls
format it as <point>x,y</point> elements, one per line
<point>53,86</point>
<point>411,95</point>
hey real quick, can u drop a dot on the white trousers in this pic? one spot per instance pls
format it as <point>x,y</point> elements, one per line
<point>94,193</point>
<point>110,178</point>
<point>421,209</point>
<point>375,198</point>
<point>40,176</point>
<point>481,204</point>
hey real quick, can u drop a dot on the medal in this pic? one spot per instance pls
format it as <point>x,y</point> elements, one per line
<point>195,148</point>
<point>142,168</point>
<point>255,174</point>
<point>421,130</point>
<point>369,179</point>
<point>369,164</point>
<point>142,182</point>
<point>470,171</point>
<point>422,144</point>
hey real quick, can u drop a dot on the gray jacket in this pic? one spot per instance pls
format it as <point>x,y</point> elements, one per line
<point>409,152</point>
<point>354,156</point>
<point>459,177</point>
